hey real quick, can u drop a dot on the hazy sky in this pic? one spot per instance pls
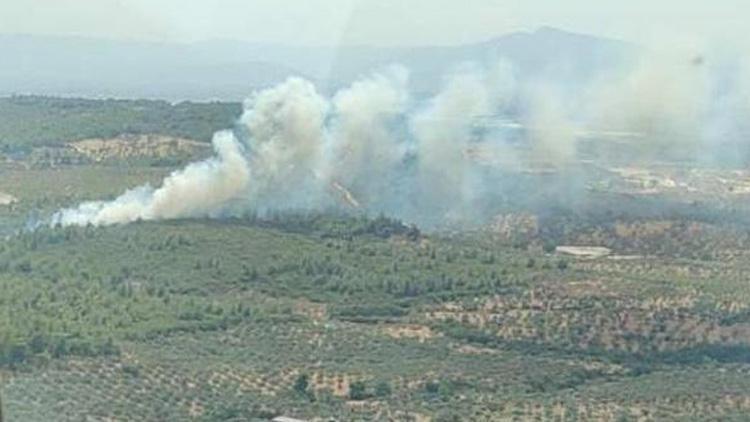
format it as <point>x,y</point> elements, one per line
<point>382,22</point>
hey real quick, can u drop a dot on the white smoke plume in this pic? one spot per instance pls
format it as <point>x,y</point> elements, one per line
<point>287,141</point>
<point>446,130</point>
<point>364,139</point>
<point>374,146</point>
<point>199,190</point>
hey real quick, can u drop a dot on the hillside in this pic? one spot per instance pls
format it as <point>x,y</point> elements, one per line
<point>361,318</point>
<point>27,122</point>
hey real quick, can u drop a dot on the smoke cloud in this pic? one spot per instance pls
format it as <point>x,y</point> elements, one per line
<point>199,190</point>
<point>366,148</point>
<point>287,139</point>
<point>451,157</point>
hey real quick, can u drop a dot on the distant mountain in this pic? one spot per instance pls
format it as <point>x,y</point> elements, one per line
<point>229,70</point>
<point>547,53</point>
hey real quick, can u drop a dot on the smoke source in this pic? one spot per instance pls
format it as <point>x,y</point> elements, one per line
<point>450,157</point>
<point>199,190</point>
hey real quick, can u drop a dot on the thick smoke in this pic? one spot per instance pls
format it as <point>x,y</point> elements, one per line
<point>287,139</point>
<point>452,157</point>
<point>365,140</point>
<point>199,190</point>
<point>447,129</point>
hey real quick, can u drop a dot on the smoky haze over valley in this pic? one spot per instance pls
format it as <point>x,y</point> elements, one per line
<point>449,134</point>
<point>450,131</point>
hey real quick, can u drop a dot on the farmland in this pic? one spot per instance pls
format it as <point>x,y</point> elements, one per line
<point>349,316</point>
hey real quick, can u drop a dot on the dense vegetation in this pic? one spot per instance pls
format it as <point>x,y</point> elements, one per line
<point>309,314</point>
<point>27,122</point>
<point>355,317</point>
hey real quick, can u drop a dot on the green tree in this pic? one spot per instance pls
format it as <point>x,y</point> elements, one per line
<point>302,383</point>
<point>358,390</point>
<point>383,389</point>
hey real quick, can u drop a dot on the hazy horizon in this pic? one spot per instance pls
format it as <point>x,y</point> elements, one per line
<point>669,23</point>
<point>100,38</point>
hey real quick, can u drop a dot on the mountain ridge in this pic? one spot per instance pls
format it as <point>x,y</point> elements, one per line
<point>230,70</point>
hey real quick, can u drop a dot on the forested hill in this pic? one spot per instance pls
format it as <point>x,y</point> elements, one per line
<point>30,121</point>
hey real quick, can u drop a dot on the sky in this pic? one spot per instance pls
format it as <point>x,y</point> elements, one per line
<point>377,22</point>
